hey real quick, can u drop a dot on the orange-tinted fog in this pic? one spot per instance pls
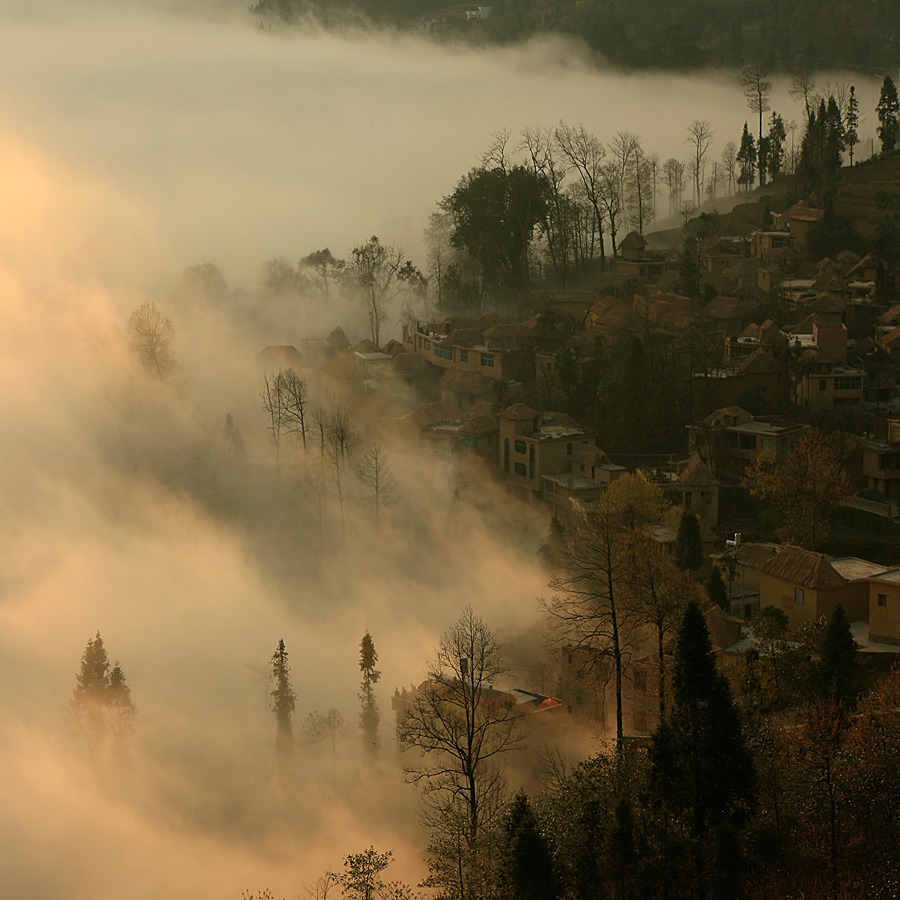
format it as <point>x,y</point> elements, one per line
<point>133,144</point>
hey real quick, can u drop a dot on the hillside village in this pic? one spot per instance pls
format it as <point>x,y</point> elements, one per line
<point>784,343</point>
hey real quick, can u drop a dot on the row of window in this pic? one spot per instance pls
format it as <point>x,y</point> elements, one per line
<point>487,359</point>
<point>843,383</point>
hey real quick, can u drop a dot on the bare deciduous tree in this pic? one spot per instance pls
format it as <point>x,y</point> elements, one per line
<point>284,398</point>
<point>376,475</point>
<point>585,154</point>
<point>460,728</point>
<point>151,334</point>
<point>700,135</point>
<point>374,269</point>
<point>757,90</point>
<point>587,608</point>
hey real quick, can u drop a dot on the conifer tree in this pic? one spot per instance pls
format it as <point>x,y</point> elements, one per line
<point>702,775</point>
<point>526,870</point>
<point>121,709</point>
<point>369,716</point>
<point>283,701</point>
<point>689,543</point>
<point>888,110</point>
<point>852,122</point>
<point>101,701</point>
<point>88,705</point>
<point>840,660</point>
<point>717,589</point>
<point>746,159</point>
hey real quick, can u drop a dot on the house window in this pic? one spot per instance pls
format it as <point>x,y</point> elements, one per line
<point>798,596</point>
<point>847,384</point>
<point>687,500</point>
<point>531,461</point>
<point>823,384</point>
<point>519,469</point>
<point>569,449</point>
<point>640,680</point>
<point>505,454</point>
<point>882,599</point>
<point>640,720</point>
<point>784,445</point>
<point>487,360</point>
<point>748,442</point>
<point>463,355</point>
<point>443,353</point>
<point>427,344</point>
<point>766,445</point>
<point>520,447</point>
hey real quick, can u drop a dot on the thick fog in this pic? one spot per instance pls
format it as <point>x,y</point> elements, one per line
<point>134,142</point>
<point>245,145</point>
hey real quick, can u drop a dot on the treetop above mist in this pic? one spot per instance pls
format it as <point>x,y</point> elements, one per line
<point>677,35</point>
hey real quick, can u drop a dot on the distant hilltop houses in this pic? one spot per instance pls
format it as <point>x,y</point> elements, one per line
<point>571,390</point>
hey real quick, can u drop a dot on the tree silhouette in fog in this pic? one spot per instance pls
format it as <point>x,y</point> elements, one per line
<point>283,701</point>
<point>369,716</point>
<point>151,334</point>
<point>101,702</point>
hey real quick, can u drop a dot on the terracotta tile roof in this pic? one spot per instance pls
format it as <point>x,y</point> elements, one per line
<point>436,414</point>
<point>482,408</point>
<point>864,263</point>
<point>760,362</point>
<point>633,241</point>
<point>692,471</point>
<point>480,425</point>
<point>467,381</point>
<point>466,337</point>
<point>409,364</point>
<point>519,412</point>
<point>803,567</point>
<point>727,416</point>
<point>806,326</point>
<point>338,339</point>
<point>754,555</point>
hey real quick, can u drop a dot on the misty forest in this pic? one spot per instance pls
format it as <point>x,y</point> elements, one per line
<point>450,453</point>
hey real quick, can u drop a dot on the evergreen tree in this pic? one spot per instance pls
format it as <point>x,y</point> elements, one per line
<point>121,709</point>
<point>283,701</point>
<point>702,775</point>
<point>689,543</point>
<point>888,110</point>
<point>101,701</point>
<point>717,589</point>
<point>840,662</point>
<point>746,159</point>
<point>526,870</point>
<point>776,138</point>
<point>852,122</point>
<point>88,705</point>
<point>369,716</point>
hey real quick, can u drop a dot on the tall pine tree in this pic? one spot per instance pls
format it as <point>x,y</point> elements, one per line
<point>101,702</point>
<point>369,716</point>
<point>526,869</point>
<point>702,776</point>
<point>888,111</point>
<point>283,701</point>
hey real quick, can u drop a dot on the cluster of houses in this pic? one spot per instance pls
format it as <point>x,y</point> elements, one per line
<point>456,386</point>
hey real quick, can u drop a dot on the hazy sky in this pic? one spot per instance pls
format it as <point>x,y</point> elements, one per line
<point>132,143</point>
<point>244,145</point>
